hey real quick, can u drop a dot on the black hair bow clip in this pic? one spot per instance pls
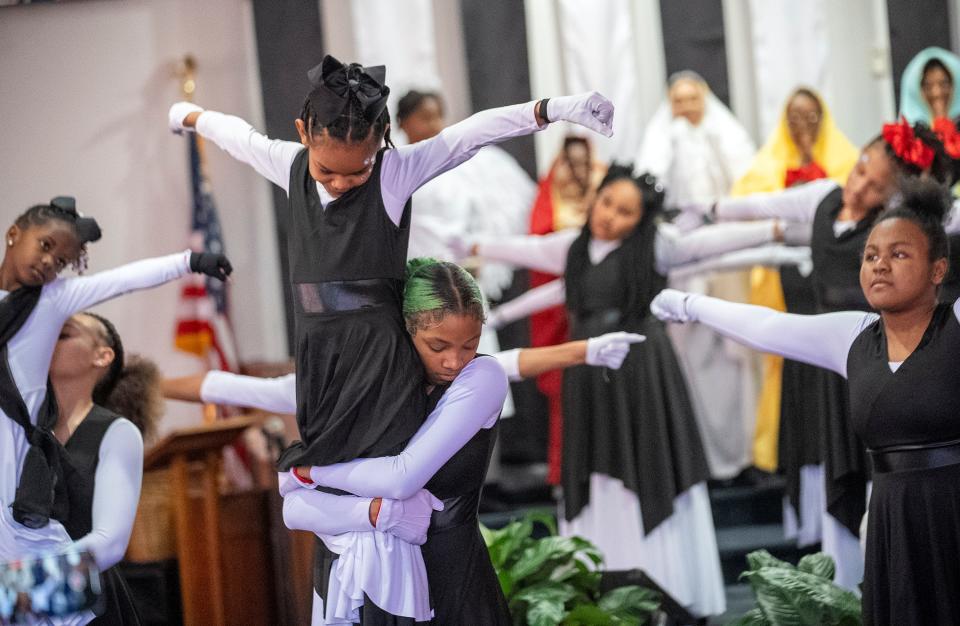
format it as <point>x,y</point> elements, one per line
<point>334,84</point>
<point>87,227</point>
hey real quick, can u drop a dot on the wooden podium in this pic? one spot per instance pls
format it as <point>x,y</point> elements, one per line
<point>198,549</point>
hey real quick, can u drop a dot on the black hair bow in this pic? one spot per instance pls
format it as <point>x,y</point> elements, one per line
<point>334,84</point>
<point>87,227</point>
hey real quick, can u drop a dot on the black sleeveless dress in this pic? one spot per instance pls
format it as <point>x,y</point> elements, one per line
<point>635,424</point>
<point>799,437</point>
<point>836,283</point>
<point>464,589</point>
<point>359,380</point>
<point>83,454</point>
<point>912,573</point>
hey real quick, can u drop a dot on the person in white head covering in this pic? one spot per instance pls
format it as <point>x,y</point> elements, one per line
<point>694,144</point>
<point>698,149</point>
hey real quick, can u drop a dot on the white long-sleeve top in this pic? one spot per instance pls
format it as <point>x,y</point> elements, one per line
<point>473,401</point>
<point>116,493</point>
<point>29,354</point>
<point>821,340</point>
<point>403,170</point>
<point>388,570</point>
<point>672,249</point>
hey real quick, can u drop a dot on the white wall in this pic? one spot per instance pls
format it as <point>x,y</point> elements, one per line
<point>84,92</point>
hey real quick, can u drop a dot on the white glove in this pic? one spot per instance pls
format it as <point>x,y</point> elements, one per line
<point>611,349</point>
<point>672,305</point>
<point>178,112</point>
<point>588,109</point>
<point>408,519</point>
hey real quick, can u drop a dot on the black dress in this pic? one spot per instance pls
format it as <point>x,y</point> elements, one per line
<point>464,589</point>
<point>836,283</point>
<point>359,380</point>
<point>83,454</point>
<point>912,573</point>
<point>799,438</point>
<point>635,424</point>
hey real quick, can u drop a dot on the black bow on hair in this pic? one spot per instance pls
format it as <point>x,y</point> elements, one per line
<point>87,227</point>
<point>335,83</point>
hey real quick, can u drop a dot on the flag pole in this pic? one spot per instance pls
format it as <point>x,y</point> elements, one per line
<point>186,72</point>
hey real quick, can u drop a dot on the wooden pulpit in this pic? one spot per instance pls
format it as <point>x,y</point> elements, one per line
<point>198,550</point>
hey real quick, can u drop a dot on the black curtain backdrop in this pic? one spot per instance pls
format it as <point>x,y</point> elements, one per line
<point>495,40</point>
<point>693,39</point>
<point>289,42</point>
<point>915,25</point>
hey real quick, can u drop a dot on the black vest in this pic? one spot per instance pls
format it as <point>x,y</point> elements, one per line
<point>83,453</point>
<point>836,260</point>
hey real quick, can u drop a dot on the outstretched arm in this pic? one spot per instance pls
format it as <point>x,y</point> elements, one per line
<point>797,204</point>
<point>472,402</point>
<point>673,248</point>
<point>537,299</point>
<point>607,350</point>
<point>271,158</point>
<point>407,168</point>
<point>543,253</point>
<point>116,493</point>
<point>771,255</point>
<point>820,340</point>
<point>82,292</point>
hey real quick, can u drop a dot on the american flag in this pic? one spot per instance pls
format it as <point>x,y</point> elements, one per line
<point>203,324</point>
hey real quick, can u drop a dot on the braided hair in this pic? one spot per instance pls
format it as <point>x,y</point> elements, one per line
<point>130,387</point>
<point>434,289</point>
<point>63,209</point>
<point>925,203</point>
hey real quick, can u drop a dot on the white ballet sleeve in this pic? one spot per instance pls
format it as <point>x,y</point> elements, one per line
<point>510,362</point>
<point>533,301</point>
<point>116,493</point>
<point>271,158</point>
<point>325,513</point>
<point>820,340</point>
<point>473,401</point>
<point>275,395</point>
<point>543,253</point>
<point>771,255</point>
<point>797,204</point>
<point>673,248</point>
<point>407,168</point>
<point>79,293</point>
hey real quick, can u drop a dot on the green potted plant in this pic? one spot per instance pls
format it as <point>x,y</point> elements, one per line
<point>797,596</point>
<point>556,580</point>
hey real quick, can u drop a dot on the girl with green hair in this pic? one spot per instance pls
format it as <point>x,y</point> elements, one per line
<point>447,458</point>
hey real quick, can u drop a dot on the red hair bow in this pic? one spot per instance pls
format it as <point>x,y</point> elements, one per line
<point>948,135</point>
<point>906,146</point>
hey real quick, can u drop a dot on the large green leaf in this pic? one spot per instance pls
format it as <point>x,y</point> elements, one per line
<point>546,602</point>
<point>506,544</point>
<point>631,603</point>
<point>818,564</point>
<point>536,556</point>
<point>762,558</point>
<point>754,617</point>
<point>790,597</point>
<point>589,615</point>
